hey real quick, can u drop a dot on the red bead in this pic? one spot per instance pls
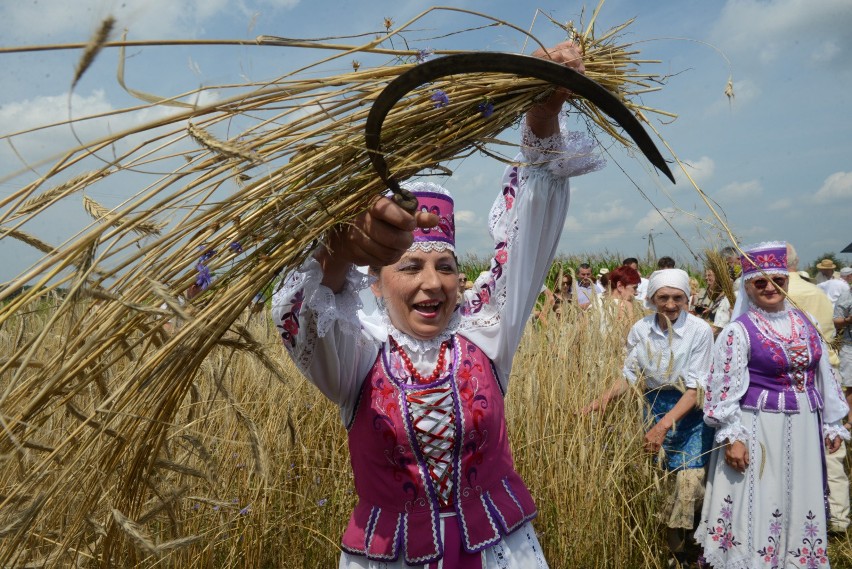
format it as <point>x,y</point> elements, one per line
<point>413,370</point>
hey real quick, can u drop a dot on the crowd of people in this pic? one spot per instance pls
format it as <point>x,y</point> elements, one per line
<point>742,397</point>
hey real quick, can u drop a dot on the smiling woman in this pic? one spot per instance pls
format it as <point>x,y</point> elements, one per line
<point>420,384</point>
<point>778,409</point>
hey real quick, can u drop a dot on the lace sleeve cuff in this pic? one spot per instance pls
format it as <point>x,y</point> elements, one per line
<point>305,284</point>
<point>731,433</point>
<point>832,430</point>
<point>565,154</point>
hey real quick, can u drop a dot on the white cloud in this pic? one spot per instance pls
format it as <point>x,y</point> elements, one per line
<point>740,191</point>
<point>465,216</point>
<point>780,204</point>
<point>765,28</point>
<point>572,224</point>
<point>700,171</point>
<point>613,211</point>
<point>26,20</point>
<point>836,188</point>
<point>655,219</point>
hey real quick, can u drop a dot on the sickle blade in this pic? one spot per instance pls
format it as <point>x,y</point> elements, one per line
<point>521,65</point>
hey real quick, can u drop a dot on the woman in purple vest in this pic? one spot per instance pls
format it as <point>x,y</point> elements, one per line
<point>420,385</point>
<point>777,407</point>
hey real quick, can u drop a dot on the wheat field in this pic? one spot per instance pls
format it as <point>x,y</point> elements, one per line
<point>254,472</point>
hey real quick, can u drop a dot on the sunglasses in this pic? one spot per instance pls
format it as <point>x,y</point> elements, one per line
<point>761,284</point>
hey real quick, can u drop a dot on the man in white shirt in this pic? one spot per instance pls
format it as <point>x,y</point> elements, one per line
<point>833,288</point>
<point>587,289</point>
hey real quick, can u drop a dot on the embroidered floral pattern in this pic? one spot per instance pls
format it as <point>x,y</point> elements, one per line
<point>722,533</point>
<point>289,325</point>
<point>812,554</point>
<point>770,550</point>
<point>726,376</point>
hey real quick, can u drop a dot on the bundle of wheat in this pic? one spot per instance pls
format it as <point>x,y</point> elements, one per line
<point>241,207</point>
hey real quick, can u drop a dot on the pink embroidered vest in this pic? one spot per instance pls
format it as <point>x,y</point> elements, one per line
<point>398,508</point>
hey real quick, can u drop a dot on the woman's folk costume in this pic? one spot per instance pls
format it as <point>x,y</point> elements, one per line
<point>773,389</point>
<point>433,469</point>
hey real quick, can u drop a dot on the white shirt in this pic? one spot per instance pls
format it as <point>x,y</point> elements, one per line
<point>642,289</point>
<point>667,357</point>
<point>833,288</point>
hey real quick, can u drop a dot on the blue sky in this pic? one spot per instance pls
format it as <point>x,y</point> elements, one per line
<point>777,158</point>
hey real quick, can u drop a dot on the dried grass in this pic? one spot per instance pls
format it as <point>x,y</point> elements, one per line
<point>101,408</point>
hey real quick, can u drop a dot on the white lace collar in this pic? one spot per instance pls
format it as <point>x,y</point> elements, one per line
<point>417,345</point>
<point>777,315</point>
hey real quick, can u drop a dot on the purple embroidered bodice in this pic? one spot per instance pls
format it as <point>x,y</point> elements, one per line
<point>399,503</point>
<point>780,368</point>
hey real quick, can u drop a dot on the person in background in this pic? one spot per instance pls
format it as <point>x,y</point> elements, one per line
<point>669,356</point>
<point>462,287</point>
<point>642,289</point>
<point>834,287</point>
<point>588,292</point>
<point>420,385</point>
<point>712,305</point>
<point>846,275</point>
<point>620,299</point>
<point>825,270</point>
<point>812,301</point>
<point>694,288</point>
<point>773,399</point>
<point>666,263</point>
<point>603,281</point>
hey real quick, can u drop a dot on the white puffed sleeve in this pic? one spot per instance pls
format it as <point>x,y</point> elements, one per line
<point>525,222</point>
<point>729,380</point>
<point>323,333</point>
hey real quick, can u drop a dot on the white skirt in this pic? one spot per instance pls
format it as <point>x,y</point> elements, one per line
<point>518,550</point>
<point>774,514</point>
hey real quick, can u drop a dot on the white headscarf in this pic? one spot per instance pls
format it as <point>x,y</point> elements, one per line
<point>674,278</point>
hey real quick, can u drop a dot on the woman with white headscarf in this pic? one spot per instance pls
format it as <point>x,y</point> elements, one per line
<point>669,353</point>
<point>777,406</point>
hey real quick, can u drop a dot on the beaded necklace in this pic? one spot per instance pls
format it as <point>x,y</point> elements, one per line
<point>439,368</point>
<point>794,335</point>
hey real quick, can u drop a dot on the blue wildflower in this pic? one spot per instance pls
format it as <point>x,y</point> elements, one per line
<point>235,247</point>
<point>206,255</point>
<point>203,279</point>
<point>423,55</point>
<point>322,502</point>
<point>441,99</point>
<point>485,108</point>
<point>245,511</point>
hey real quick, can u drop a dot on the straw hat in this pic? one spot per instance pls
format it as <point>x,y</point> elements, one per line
<point>826,264</point>
<point>805,276</point>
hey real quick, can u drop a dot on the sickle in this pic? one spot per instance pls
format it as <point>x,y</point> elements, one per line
<point>521,65</point>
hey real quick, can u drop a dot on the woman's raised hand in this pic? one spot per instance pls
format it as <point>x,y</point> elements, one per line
<point>378,237</point>
<point>543,118</point>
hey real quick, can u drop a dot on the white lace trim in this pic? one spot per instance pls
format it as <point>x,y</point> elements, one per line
<point>429,246</point>
<point>566,153</point>
<point>416,345</point>
<point>327,306</point>
<point>731,433</point>
<point>830,431</point>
